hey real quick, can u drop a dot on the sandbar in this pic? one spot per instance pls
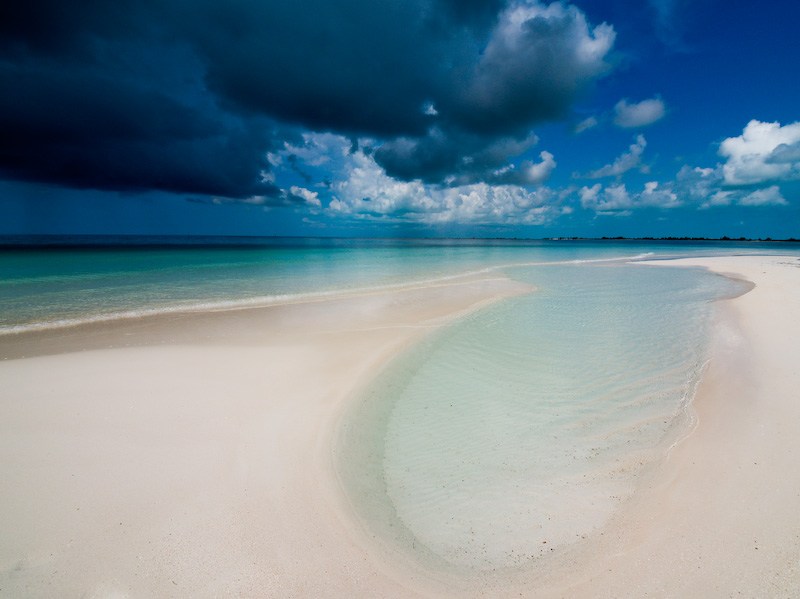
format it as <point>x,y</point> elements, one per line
<point>190,456</point>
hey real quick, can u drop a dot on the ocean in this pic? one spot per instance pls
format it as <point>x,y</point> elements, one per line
<point>109,278</point>
<point>521,428</point>
<point>509,433</point>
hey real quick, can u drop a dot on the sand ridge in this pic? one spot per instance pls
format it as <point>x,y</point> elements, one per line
<point>192,458</point>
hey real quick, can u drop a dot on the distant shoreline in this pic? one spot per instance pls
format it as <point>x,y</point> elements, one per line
<point>23,242</point>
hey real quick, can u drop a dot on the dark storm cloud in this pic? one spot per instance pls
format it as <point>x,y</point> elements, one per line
<point>458,157</point>
<point>177,95</point>
<point>87,129</point>
<point>355,66</point>
<point>473,11</point>
<point>536,60</point>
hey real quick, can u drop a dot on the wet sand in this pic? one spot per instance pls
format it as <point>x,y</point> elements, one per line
<point>190,455</point>
<point>718,516</point>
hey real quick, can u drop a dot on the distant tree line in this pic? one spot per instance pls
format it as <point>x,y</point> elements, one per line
<point>723,238</point>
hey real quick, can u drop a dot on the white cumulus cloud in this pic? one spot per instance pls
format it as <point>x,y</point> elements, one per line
<point>769,196</point>
<point>699,183</point>
<point>638,114</point>
<point>585,124</point>
<point>719,198</point>
<point>538,172</point>
<point>764,152</point>
<point>707,187</point>
<point>310,197</point>
<point>369,193</point>
<point>624,162</point>
<point>617,200</point>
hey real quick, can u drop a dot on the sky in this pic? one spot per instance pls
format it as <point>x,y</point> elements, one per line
<point>412,118</point>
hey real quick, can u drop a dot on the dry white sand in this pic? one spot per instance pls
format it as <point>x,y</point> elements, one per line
<point>196,461</point>
<point>190,455</point>
<point>720,516</point>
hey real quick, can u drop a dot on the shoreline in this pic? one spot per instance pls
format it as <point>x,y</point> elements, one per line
<point>671,537</point>
<point>126,317</point>
<point>717,515</point>
<point>212,325</point>
<point>190,455</point>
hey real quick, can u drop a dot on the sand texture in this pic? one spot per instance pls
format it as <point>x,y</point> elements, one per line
<point>719,516</point>
<point>190,456</point>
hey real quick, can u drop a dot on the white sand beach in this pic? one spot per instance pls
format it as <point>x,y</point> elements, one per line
<point>190,456</point>
<point>719,516</point>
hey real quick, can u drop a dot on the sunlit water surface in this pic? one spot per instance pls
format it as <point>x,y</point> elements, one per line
<point>515,430</point>
<point>520,428</point>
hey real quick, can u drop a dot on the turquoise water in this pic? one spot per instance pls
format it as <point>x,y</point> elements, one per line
<point>47,288</point>
<point>522,427</point>
<point>61,287</point>
<point>514,431</point>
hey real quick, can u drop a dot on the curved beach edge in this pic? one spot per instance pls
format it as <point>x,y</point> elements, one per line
<point>191,454</point>
<point>718,516</point>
